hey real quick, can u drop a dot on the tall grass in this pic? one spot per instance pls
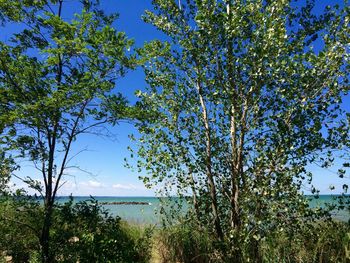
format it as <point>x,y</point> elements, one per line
<point>183,243</point>
<point>323,242</point>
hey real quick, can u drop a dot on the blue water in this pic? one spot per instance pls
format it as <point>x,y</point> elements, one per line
<point>147,214</point>
<point>342,215</point>
<point>140,214</point>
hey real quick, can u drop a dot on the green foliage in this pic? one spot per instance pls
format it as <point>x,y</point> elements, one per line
<point>82,232</point>
<point>19,10</point>
<point>321,242</point>
<point>245,108</point>
<point>184,243</point>
<point>87,233</point>
<point>7,166</point>
<point>20,223</point>
<point>57,80</point>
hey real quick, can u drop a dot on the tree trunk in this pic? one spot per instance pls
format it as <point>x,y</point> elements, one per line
<point>208,163</point>
<point>234,175</point>
<point>236,153</point>
<point>46,256</point>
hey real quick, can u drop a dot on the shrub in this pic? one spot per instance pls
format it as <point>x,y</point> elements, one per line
<point>19,227</point>
<point>81,232</point>
<point>85,232</point>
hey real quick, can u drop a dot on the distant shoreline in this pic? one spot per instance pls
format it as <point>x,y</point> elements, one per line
<point>125,203</point>
<point>146,196</point>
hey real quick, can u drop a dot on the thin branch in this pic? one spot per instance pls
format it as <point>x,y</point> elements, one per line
<point>70,140</point>
<point>47,4</point>
<point>80,169</point>
<point>90,126</point>
<point>75,155</point>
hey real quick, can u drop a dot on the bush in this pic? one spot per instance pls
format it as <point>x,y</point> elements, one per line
<point>81,232</point>
<point>85,232</point>
<point>20,226</point>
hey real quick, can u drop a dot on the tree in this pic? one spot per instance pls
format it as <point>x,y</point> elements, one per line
<point>57,79</point>
<point>246,96</point>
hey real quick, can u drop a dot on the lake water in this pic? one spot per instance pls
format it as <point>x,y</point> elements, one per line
<point>141,214</point>
<point>146,214</point>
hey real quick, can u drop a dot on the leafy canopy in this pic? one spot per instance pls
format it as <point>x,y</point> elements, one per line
<point>57,80</point>
<point>246,96</point>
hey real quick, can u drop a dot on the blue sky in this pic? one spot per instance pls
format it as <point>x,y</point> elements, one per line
<point>104,158</point>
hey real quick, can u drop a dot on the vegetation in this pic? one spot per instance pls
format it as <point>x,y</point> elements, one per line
<point>323,242</point>
<point>239,116</point>
<point>50,99</point>
<point>82,232</point>
<point>85,232</point>
<point>242,101</point>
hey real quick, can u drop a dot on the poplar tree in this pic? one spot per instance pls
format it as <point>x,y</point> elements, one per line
<point>246,96</point>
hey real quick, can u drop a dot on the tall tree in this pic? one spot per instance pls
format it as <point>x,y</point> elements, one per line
<point>246,95</point>
<point>57,80</point>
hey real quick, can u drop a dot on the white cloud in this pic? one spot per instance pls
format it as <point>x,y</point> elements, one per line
<point>126,186</point>
<point>93,184</point>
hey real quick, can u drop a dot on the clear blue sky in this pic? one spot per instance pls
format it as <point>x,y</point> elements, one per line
<point>105,158</point>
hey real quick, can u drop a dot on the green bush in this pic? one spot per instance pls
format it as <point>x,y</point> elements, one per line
<point>81,232</point>
<point>85,232</point>
<point>20,223</point>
